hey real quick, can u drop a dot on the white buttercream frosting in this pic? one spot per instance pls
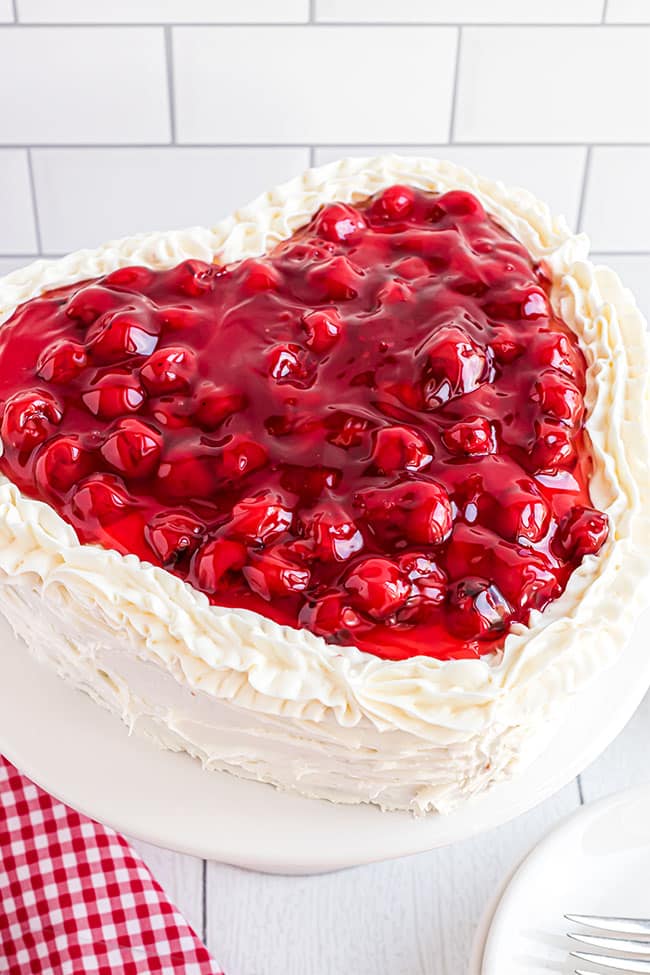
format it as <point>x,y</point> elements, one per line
<point>280,704</point>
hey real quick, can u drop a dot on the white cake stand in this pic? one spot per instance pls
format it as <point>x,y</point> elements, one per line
<point>85,756</point>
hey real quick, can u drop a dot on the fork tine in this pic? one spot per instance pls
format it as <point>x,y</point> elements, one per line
<point>614,944</point>
<point>616,964</point>
<point>623,925</point>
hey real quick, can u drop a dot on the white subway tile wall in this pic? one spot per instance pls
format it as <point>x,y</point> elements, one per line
<point>142,114</point>
<point>119,190</point>
<point>163,11</point>
<point>307,84</point>
<point>461,11</point>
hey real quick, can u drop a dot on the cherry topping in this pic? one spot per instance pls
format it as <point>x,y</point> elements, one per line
<point>332,532</point>
<point>400,448</point>
<point>61,362</point>
<point>101,498</point>
<point>169,370</point>
<point>477,609</point>
<point>215,560</point>
<point>30,417</point>
<point>215,404</point>
<point>261,519</point>
<point>117,335</point>
<point>329,615</point>
<point>582,531</point>
<point>339,223</point>
<point>62,463</point>
<point>274,573</point>
<point>473,437</point>
<point>374,431</point>
<point>559,397</point>
<point>113,395</point>
<point>456,366</point>
<point>173,534</point>
<point>322,328</point>
<point>133,448</point>
<point>553,447</point>
<point>395,203</point>
<point>377,587</point>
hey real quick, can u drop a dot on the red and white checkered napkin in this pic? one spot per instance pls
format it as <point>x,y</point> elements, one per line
<point>75,898</point>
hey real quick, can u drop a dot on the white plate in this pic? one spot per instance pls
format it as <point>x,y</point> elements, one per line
<point>84,755</point>
<point>595,862</point>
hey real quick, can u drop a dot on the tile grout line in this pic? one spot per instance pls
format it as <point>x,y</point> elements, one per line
<point>169,61</point>
<point>32,190</point>
<point>14,7</point>
<point>603,19</point>
<point>204,902</point>
<point>312,156</point>
<point>581,795</point>
<point>454,93</point>
<point>312,12</point>
<point>463,143</point>
<point>487,25</point>
<point>583,192</point>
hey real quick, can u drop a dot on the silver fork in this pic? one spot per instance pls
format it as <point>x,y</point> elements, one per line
<point>616,947</point>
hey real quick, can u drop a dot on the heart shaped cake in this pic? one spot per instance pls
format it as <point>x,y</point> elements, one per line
<point>348,493</point>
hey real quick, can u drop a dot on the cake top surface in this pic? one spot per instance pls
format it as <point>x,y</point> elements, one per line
<point>375,431</point>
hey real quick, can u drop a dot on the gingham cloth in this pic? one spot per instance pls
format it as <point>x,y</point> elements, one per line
<point>75,898</point>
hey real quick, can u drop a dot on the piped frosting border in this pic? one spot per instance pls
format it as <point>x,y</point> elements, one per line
<point>253,662</point>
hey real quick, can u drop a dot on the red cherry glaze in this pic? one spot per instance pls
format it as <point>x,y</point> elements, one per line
<point>374,432</point>
<point>28,419</point>
<point>378,587</point>
<point>172,534</point>
<point>61,362</point>
<point>133,448</point>
<point>582,531</point>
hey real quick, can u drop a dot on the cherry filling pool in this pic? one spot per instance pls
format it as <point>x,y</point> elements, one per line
<point>374,432</point>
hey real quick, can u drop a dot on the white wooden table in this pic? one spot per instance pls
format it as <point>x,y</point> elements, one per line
<point>414,916</point>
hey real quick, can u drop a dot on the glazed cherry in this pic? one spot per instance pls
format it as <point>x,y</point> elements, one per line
<point>377,587</point>
<point>101,498</point>
<point>553,448</point>
<point>113,395</point>
<point>117,335</point>
<point>183,475</point>
<point>259,276</point>
<point>286,364</point>
<point>274,574</point>
<point>472,437</point>
<point>456,365</point>
<point>582,531</point>
<point>331,531</point>
<point>61,362</point>
<point>477,609</point>
<point>261,518</point>
<point>399,448</point>
<point>133,448</point>
<point>240,456</point>
<point>62,463</point>
<point>340,223</point>
<point>322,329</point>
<point>337,280</point>
<point>330,616</point>
<point>559,397</point>
<point>395,203</point>
<point>173,534</point>
<point>88,303</point>
<point>29,418</point>
<point>169,370</point>
<point>375,431</point>
<point>216,560</point>
<point>215,404</point>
